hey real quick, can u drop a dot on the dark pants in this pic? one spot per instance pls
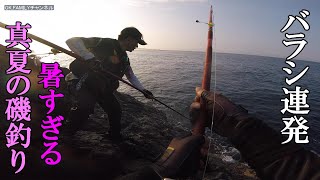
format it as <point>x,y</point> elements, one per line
<point>94,90</point>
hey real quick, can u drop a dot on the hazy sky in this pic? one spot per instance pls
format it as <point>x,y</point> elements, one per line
<point>241,26</point>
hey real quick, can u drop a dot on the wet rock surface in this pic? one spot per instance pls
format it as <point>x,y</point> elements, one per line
<point>88,154</point>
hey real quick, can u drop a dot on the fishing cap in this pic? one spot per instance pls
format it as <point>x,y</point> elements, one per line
<point>132,32</point>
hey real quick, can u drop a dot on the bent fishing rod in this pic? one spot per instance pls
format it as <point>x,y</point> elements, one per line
<point>43,41</point>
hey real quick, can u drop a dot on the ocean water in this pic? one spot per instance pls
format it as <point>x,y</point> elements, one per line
<point>255,82</point>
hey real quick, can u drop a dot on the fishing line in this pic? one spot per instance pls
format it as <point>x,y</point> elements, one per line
<point>214,97</point>
<point>42,54</point>
<point>53,51</point>
<point>39,56</point>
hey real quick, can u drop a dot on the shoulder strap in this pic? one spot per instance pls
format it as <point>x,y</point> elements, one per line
<point>91,42</point>
<point>118,50</point>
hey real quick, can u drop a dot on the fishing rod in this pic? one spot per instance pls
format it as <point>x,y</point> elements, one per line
<point>171,108</point>
<point>58,49</point>
<point>200,123</point>
<point>199,126</point>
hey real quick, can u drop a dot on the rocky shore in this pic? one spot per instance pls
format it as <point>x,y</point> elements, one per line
<point>146,131</point>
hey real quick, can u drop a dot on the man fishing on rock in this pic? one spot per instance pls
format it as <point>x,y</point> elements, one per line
<point>90,82</point>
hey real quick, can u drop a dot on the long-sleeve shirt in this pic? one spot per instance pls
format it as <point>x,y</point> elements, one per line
<point>77,45</point>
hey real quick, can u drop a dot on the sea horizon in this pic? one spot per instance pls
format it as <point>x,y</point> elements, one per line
<point>235,53</point>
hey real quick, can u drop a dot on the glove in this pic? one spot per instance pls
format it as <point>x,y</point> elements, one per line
<point>227,115</point>
<point>147,94</point>
<point>181,158</point>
